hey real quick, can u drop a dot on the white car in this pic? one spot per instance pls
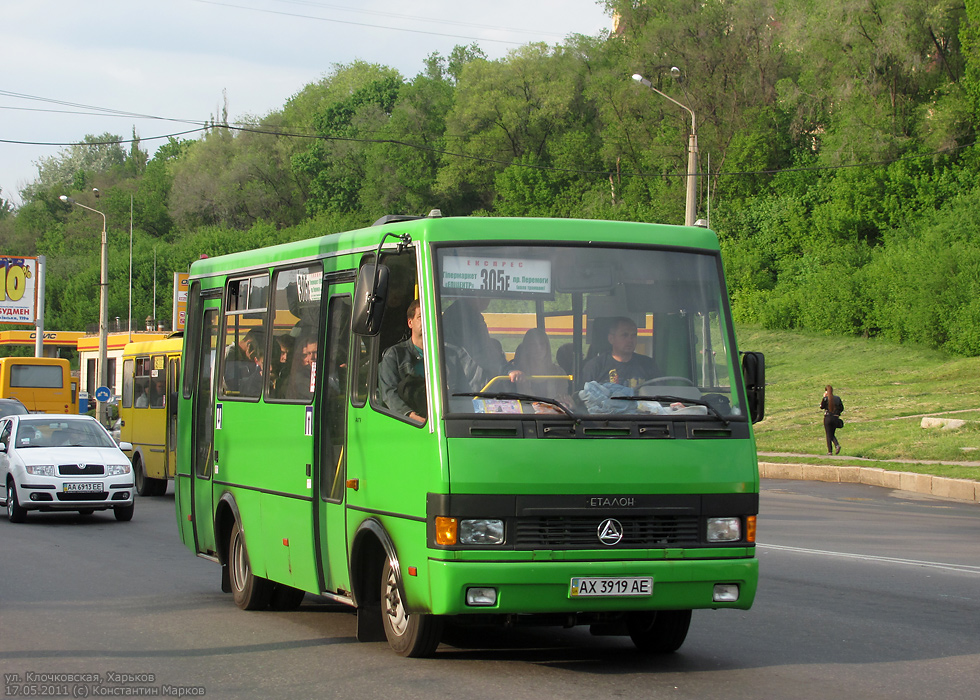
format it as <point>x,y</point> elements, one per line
<point>55,462</point>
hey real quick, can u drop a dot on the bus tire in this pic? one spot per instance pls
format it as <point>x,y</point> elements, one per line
<point>415,635</point>
<point>139,476</point>
<point>659,631</point>
<point>158,487</point>
<point>124,513</point>
<point>285,598</point>
<point>16,513</point>
<point>251,592</point>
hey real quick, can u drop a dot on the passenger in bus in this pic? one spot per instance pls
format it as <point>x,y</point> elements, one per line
<point>621,365</point>
<point>465,327</point>
<point>143,400</point>
<point>279,365</point>
<point>301,377</point>
<point>565,357</point>
<point>401,377</point>
<point>533,372</point>
<point>158,393</point>
<point>243,364</point>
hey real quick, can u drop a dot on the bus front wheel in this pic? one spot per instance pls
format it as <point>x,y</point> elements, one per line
<point>413,635</point>
<point>251,592</point>
<point>659,631</point>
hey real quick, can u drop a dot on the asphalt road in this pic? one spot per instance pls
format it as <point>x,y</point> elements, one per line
<point>865,593</point>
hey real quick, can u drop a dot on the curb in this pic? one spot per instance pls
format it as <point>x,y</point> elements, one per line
<point>939,486</point>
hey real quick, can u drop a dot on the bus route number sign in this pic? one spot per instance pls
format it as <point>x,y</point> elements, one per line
<point>493,274</point>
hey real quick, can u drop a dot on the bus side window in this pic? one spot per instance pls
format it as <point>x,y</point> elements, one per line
<point>128,384</point>
<point>244,362</point>
<point>395,331</point>
<point>295,315</point>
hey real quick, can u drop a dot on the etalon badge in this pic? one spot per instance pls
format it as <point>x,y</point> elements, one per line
<point>610,531</point>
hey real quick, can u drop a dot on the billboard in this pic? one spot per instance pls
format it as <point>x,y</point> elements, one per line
<point>180,300</point>
<point>18,289</point>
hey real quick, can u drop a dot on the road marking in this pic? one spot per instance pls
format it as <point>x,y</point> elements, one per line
<point>962,568</point>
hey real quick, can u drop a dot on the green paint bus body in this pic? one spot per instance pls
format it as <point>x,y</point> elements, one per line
<point>336,494</point>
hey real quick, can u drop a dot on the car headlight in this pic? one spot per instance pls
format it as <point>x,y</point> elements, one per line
<point>41,469</point>
<point>724,529</point>
<point>116,469</point>
<point>481,531</point>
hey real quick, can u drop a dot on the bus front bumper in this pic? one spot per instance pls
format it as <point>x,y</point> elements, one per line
<point>529,587</point>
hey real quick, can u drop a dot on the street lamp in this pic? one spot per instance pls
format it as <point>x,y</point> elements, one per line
<point>100,407</point>
<point>692,149</point>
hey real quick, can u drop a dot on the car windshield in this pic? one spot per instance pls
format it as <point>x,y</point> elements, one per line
<point>61,433</point>
<point>585,331</point>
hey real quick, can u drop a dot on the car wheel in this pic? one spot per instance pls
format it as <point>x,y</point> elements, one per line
<point>415,635</point>
<point>659,631</point>
<point>16,513</point>
<point>251,592</point>
<point>124,513</point>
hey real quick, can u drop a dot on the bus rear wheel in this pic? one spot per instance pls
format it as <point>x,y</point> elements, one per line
<point>659,631</point>
<point>139,476</point>
<point>251,592</point>
<point>145,485</point>
<point>414,635</point>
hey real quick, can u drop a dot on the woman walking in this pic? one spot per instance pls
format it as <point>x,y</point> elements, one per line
<point>832,407</point>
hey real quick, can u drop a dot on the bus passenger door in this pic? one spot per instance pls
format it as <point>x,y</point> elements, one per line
<point>202,436</point>
<point>170,439</point>
<point>330,528</point>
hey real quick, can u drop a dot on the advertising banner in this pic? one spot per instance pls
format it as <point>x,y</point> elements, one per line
<point>180,301</point>
<point>18,290</point>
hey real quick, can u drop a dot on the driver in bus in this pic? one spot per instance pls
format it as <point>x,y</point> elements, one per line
<point>621,365</point>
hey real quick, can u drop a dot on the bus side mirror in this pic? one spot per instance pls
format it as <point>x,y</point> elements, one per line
<point>370,295</point>
<point>754,376</point>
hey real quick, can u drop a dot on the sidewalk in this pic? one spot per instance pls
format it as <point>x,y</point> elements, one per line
<point>942,487</point>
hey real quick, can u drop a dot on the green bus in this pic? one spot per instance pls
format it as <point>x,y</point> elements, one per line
<point>474,421</point>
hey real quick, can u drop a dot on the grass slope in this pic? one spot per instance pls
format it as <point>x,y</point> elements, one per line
<point>886,389</point>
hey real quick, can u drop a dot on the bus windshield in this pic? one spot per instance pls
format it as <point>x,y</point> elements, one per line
<point>585,331</point>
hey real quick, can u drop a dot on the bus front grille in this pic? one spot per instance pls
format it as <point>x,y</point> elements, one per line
<point>651,531</point>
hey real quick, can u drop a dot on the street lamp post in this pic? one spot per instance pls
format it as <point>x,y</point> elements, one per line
<point>103,372</point>
<point>692,150</point>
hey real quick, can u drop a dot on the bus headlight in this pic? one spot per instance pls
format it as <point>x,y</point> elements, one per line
<point>724,529</point>
<point>116,469</point>
<point>481,531</point>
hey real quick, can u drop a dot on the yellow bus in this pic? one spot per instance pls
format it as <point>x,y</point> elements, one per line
<point>151,371</point>
<point>43,384</point>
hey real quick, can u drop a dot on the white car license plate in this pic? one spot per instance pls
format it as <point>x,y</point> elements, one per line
<point>83,487</point>
<point>600,586</point>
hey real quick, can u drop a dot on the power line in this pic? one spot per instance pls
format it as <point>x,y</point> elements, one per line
<point>433,20</point>
<point>241,127</point>
<point>356,24</point>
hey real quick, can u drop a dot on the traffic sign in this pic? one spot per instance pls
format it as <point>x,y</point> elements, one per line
<point>102,394</point>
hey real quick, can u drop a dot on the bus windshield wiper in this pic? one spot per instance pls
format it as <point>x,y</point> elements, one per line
<point>516,397</point>
<point>674,399</point>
